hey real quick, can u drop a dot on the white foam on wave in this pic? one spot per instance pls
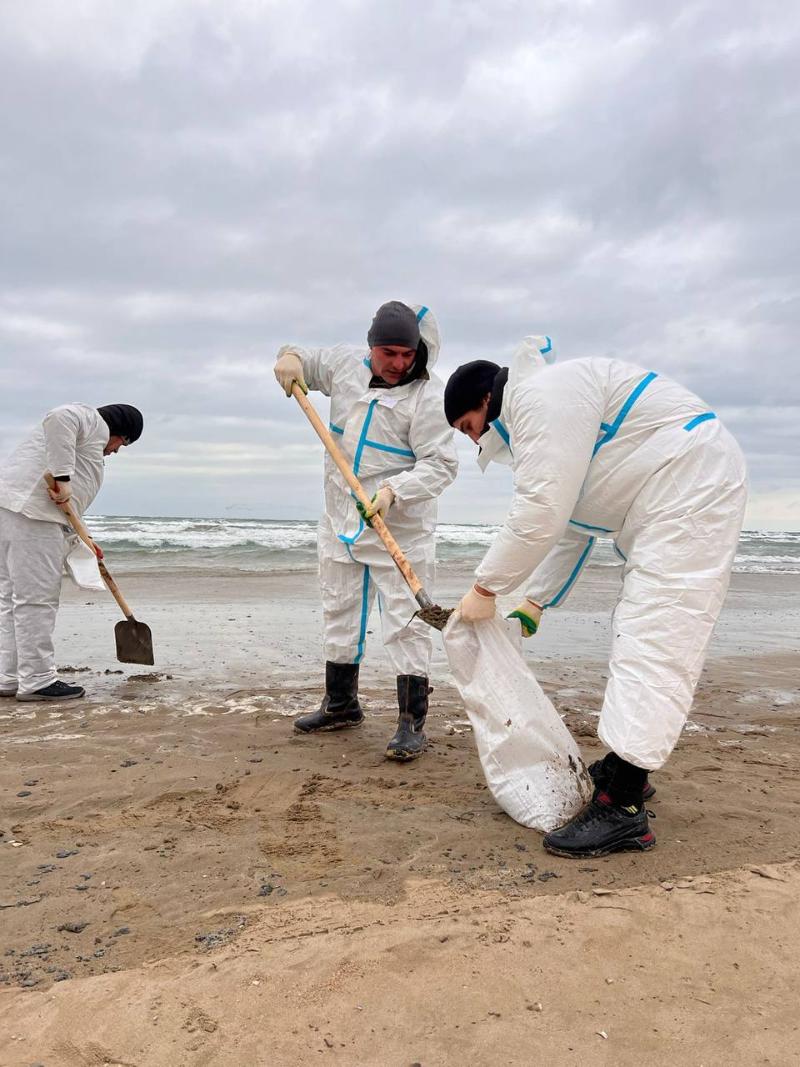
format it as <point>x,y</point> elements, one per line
<point>273,545</point>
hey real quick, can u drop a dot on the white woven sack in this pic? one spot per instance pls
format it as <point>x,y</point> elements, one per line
<point>531,762</point>
<point>81,564</point>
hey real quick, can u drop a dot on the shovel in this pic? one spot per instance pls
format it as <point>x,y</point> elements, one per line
<point>133,638</point>
<point>429,612</point>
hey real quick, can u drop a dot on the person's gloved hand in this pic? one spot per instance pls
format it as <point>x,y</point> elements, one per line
<point>478,605</point>
<point>60,493</point>
<point>288,370</point>
<point>529,614</point>
<point>381,503</point>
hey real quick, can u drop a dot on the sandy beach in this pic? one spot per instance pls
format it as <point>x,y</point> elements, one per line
<point>184,881</point>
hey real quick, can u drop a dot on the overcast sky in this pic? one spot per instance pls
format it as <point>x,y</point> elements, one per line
<point>187,185</point>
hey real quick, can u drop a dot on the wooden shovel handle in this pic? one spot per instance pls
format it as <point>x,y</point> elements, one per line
<point>77,525</point>
<point>378,525</point>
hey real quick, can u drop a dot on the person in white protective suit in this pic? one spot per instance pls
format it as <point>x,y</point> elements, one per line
<point>600,447</point>
<point>35,538</point>
<point>386,412</point>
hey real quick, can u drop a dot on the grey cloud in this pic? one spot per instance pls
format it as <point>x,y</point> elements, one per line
<point>186,188</point>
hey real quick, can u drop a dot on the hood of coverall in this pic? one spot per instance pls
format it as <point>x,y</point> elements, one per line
<point>428,347</point>
<point>532,354</point>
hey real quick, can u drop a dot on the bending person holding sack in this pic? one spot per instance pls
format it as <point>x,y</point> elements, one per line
<point>70,444</point>
<point>604,448</point>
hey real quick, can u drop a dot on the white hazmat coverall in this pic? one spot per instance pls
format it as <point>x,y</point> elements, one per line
<point>392,436</point>
<point>34,537</point>
<point>604,448</point>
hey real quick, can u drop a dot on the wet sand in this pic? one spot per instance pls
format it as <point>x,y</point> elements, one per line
<point>184,881</point>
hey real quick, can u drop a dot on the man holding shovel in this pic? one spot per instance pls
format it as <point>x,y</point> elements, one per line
<point>70,444</point>
<point>386,413</point>
<point>604,448</point>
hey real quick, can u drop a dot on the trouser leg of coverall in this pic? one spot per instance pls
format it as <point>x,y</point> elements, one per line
<point>33,560</point>
<point>680,538</point>
<point>348,593</point>
<point>408,640</point>
<point>8,640</point>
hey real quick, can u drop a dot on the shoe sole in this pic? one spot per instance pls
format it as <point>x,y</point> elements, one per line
<point>636,844</point>
<point>9,694</point>
<point>403,757</point>
<point>31,697</point>
<point>328,729</point>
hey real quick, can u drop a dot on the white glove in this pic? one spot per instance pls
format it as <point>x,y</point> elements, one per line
<point>288,370</point>
<point>61,493</point>
<point>478,606</point>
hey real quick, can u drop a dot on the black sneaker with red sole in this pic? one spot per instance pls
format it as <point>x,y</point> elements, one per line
<point>601,828</point>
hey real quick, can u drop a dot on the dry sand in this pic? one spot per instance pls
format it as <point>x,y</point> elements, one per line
<point>183,881</point>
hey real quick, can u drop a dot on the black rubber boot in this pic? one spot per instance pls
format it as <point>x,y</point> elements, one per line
<point>602,769</point>
<point>409,740</point>
<point>340,707</point>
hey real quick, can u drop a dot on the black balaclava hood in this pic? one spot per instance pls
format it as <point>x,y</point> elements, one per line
<point>396,324</point>
<point>467,386</point>
<point>123,420</point>
<point>496,399</point>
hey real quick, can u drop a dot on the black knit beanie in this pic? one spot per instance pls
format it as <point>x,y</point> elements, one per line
<point>394,324</point>
<point>123,420</point>
<point>467,386</point>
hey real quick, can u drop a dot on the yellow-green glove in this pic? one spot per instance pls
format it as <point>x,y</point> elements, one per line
<point>529,614</point>
<point>380,505</point>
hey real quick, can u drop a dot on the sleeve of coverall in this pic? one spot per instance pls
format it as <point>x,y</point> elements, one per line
<point>552,581</point>
<point>554,426</point>
<point>319,365</point>
<point>431,441</point>
<point>62,427</point>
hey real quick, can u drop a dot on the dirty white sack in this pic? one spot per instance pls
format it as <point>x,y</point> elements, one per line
<point>82,567</point>
<point>531,762</point>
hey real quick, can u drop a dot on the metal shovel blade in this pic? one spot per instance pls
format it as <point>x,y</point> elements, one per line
<point>134,642</point>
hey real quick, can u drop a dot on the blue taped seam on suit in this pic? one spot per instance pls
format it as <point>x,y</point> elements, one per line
<point>362,439</point>
<point>698,419</point>
<point>389,448</point>
<point>421,314</point>
<point>575,572</point>
<point>586,526</point>
<point>501,430</point>
<point>335,429</point>
<point>620,553</point>
<point>364,612</point>
<point>352,540</point>
<point>611,432</point>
